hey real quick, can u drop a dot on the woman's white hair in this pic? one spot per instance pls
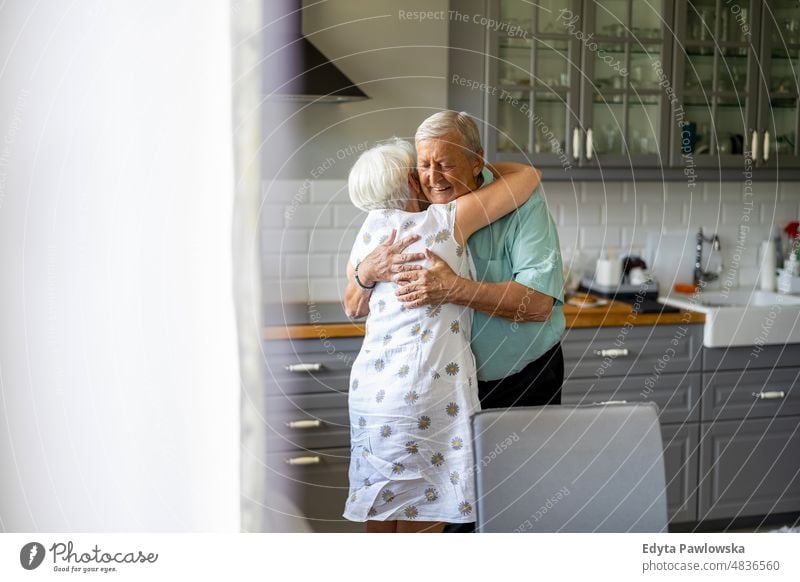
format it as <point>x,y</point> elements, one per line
<point>445,123</point>
<point>379,178</point>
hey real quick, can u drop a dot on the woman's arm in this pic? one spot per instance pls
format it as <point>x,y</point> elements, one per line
<point>387,259</point>
<point>356,299</point>
<point>513,187</point>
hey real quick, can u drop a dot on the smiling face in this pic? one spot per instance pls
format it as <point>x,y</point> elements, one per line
<point>447,169</point>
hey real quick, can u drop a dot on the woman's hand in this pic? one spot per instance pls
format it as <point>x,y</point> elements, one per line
<point>432,286</point>
<point>388,259</point>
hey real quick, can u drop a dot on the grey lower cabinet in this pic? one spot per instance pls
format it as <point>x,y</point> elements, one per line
<point>308,428</point>
<point>750,432</point>
<point>660,364</point>
<point>729,419</point>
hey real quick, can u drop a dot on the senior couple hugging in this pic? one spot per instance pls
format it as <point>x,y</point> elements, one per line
<point>458,270</point>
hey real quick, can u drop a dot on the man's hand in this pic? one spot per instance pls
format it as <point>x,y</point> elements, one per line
<point>431,286</point>
<point>388,259</point>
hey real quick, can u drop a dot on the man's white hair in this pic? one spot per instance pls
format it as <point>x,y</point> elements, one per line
<point>379,178</point>
<point>445,123</point>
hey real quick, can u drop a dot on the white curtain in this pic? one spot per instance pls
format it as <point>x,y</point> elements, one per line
<point>119,369</point>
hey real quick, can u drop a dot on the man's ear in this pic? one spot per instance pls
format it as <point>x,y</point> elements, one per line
<point>477,164</point>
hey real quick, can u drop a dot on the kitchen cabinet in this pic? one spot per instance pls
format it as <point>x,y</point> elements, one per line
<point>659,363</point>
<point>308,426</point>
<point>749,468</point>
<point>729,417</point>
<point>749,443</point>
<point>621,89</point>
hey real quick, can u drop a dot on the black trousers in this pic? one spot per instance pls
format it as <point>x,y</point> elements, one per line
<point>537,384</point>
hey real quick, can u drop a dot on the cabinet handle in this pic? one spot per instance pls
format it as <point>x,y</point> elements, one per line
<point>770,395</point>
<point>305,423</point>
<point>766,145</point>
<point>589,144</point>
<point>610,402</point>
<point>576,144</point>
<point>754,146</point>
<point>612,352</point>
<point>301,461</point>
<point>300,368</point>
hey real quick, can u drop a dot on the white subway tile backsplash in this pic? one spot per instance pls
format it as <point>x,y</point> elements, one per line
<point>559,191</point>
<point>577,213</point>
<point>622,213</point>
<point>285,290</point>
<point>602,192</point>
<point>600,236</point>
<point>309,266</point>
<point>707,216</point>
<point>348,216</point>
<point>312,249</point>
<point>656,212</point>
<point>778,213</point>
<point>308,215</point>
<point>334,191</point>
<point>284,240</point>
<point>790,191</point>
<point>327,289</point>
<point>332,240</point>
<point>285,191</point>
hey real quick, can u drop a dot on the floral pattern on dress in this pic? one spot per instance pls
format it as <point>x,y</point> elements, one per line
<point>411,390</point>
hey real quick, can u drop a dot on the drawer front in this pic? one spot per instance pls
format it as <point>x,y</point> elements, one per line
<point>618,351</point>
<point>749,467</point>
<point>317,484</point>
<point>676,395</point>
<point>307,421</point>
<point>750,357</point>
<point>751,394</point>
<point>680,468</point>
<point>310,366</point>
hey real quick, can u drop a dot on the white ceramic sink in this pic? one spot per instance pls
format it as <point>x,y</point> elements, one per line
<point>742,317</point>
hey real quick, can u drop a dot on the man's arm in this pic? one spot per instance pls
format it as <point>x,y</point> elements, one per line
<point>439,284</point>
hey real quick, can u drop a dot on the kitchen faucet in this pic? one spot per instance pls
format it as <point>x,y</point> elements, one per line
<point>700,276</point>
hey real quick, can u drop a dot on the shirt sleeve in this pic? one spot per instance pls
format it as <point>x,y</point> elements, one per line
<point>534,249</point>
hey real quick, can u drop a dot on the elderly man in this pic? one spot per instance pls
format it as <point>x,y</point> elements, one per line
<point>517,293</point>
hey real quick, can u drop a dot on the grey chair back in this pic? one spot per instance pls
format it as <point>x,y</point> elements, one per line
<point>596,468</point>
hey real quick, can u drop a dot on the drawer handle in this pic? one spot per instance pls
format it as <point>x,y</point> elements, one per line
<point>305,423</point>
<point>770,395</point>
<point>612,352</point>
<point>302,461</point>
<point>610,402</point>
<point>300,368</point>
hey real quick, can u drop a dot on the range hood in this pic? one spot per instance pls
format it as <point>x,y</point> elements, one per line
<point>295,69</point>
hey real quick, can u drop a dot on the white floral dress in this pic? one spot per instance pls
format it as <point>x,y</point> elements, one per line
<point>413,388</point>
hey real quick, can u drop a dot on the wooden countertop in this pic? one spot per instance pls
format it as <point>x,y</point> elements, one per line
<point>613,314</point>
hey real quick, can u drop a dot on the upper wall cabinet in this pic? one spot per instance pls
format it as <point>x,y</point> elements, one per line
<point>645,88</point>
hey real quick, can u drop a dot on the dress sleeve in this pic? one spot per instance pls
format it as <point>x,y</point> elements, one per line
<point>370,235</point>
<point>534,249</point>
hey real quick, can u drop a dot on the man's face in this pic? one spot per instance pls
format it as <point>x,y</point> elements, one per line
<point>446,168</point>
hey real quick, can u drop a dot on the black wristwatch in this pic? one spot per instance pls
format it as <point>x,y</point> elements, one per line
<point>358,281</point>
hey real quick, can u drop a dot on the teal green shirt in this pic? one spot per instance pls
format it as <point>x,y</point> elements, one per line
<point>523,247</point>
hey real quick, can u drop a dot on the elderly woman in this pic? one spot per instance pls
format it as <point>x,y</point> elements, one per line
<point>413,385</point>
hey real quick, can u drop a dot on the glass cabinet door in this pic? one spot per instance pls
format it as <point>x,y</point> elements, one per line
<point>533,80</point>
<point>624,107</point>
<point>715,82</point>
<point>779,121</point>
